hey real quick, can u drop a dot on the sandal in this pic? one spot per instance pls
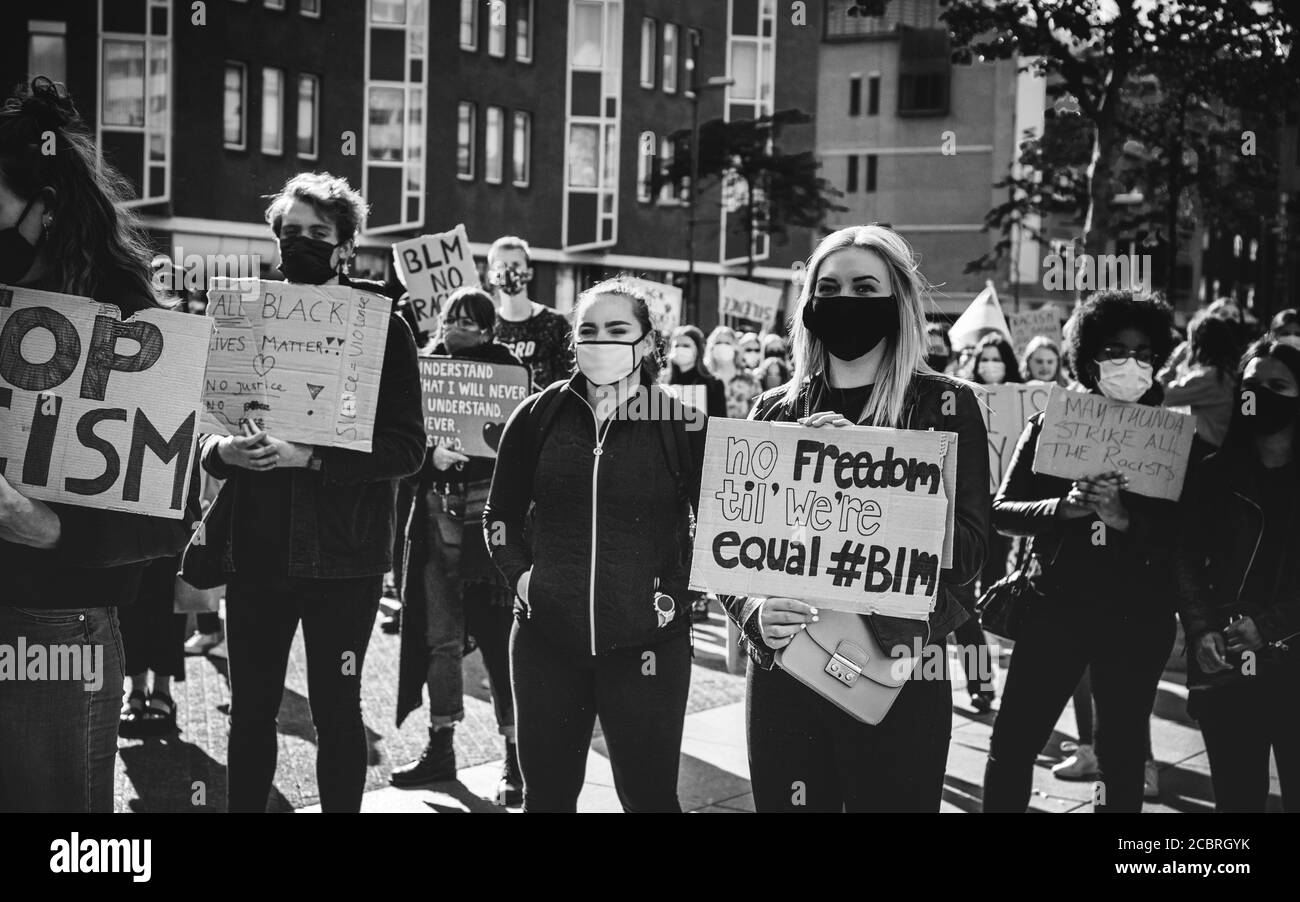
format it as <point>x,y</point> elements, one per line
<point>160,715</point>
<point>131,720</point>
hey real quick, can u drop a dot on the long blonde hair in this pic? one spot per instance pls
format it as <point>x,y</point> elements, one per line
<point>904,352</point>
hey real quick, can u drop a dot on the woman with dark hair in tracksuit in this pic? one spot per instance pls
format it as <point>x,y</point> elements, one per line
<point>601,562</point>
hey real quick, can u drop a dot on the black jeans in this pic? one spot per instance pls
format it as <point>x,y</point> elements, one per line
<point>153,636</point>
<point>262,616</point>
<point>807,755</point>
<point>1060,637</point>
<point>976,655</point>
<point>1240,723</point>
<point>640,697</point>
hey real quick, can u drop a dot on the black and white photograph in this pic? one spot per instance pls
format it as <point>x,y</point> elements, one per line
<point>876,407</point>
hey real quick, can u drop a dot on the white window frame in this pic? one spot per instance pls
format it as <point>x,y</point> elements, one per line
<point>498,32</point>
<point>668,66</point>
<point>243,105</point>
<point>649,55</point>
<point>309,14</point>
<point>473,139</point>
<point>611,70</point>
<point>525,7</point>
<point>152,127</point>
<point>416,99</point>
<point>315,116</point>
<point>762,105</point>
<point>277,5</point>
<point>278,151</point>
<point>500,115</point>
<point>472,6</point>
<point>527,120</point>
<point>47,28</point>
<point>643,163</point>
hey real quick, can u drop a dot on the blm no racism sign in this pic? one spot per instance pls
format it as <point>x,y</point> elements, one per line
<point>97,411</point>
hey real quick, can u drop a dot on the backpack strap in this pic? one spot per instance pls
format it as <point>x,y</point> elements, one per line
<point>677,451</point>
<point>544,410</point>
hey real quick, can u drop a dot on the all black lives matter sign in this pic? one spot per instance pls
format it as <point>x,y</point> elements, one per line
<point>95,410</point>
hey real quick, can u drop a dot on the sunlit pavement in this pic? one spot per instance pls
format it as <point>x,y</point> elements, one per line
<point>188,773</point>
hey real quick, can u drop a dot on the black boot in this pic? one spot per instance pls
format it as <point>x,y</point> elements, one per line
<point>510,791</point>
<point>436,765</point>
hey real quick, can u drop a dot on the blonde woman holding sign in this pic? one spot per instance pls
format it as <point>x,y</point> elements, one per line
<point>858,336</point>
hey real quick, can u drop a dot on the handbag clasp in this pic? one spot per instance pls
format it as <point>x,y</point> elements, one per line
<point>843,669</point>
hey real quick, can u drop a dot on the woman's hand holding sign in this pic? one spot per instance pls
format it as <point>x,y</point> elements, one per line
<point>1101,495</point>
<point>825,418</point>
<point>780,620</point>
<point>27,522</point>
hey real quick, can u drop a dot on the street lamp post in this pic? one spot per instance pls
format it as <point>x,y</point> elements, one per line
<point>696,88</point>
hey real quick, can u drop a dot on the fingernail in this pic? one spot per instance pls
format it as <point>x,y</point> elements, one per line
<point>816,619</point>
<point>815,611</point>
<point>803,626</point>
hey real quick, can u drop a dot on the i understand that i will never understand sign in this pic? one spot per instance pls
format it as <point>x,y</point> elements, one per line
<point>95,410</point>
<point>301,361</point>
<point>854,518</point>
<point>467,402</point>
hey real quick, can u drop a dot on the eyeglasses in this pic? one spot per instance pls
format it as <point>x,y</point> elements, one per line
<point>461,322</point>
<point>1118,354</point>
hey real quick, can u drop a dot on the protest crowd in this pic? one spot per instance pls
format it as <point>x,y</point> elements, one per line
<point>569,493</point>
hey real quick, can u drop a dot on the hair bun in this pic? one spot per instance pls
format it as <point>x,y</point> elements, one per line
<point>48,104</point>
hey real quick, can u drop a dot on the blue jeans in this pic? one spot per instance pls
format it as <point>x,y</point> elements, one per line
<point>58,734</point>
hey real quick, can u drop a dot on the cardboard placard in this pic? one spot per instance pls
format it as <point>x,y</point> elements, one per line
<point>301,361</point>
<point>432,267</point>
<point>1006,409</point>
<point>97,411</point>
<point>1087,435</point>
<point>1024,326</point>
<point>748,302</point>
<point>665,302</point>
<point>696,396</point>
<point>467,403</point>
<point>853,518</point>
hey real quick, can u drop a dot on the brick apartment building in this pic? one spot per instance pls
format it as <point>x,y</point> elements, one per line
<point>535,117</point>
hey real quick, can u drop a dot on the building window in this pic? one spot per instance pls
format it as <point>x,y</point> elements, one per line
<point>751,63</point>
<point>497,29</point>
<point>871,172</point>
<point>855,95</point>
<point>873,95</point>
<point>692,59</point>
<point>924,64</point>
<point>396,122</point>
<point>47,50</point>
<point>848,19</point>
<point>465,124</point>
<point>923,93</point>
<point>272,111</point>
<point>851,183</point>
<point>308,115</point>
<point>668,191</point>
<point>645,163</point>
<point>388,12</point>
<point>649,39</point>
<point>469,24</point>
<point>494,145</point>
<point>273,4</point>
<point>524,31</point>
<point>523,149</point>
<point>309,8</point>
<point>133,127</point>
<point>593,96</point>
<point>234,107</point>
<point>670,58</point>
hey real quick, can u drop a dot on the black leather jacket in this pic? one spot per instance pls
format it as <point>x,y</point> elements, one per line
<point>1220,530</point>
<point>923,409</point>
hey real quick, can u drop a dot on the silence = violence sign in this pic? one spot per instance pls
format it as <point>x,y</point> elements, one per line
<point>97,411</point>
<point>467,403</point>
<point>1087,435</point>
<point>854,518</point>
<point>303,362</point>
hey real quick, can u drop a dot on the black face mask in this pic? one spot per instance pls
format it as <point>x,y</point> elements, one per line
<point>17,254</point>
<point>849,327</point>
<point>1273,412</point>
<point>458,341</point>
<point>306,260</point>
